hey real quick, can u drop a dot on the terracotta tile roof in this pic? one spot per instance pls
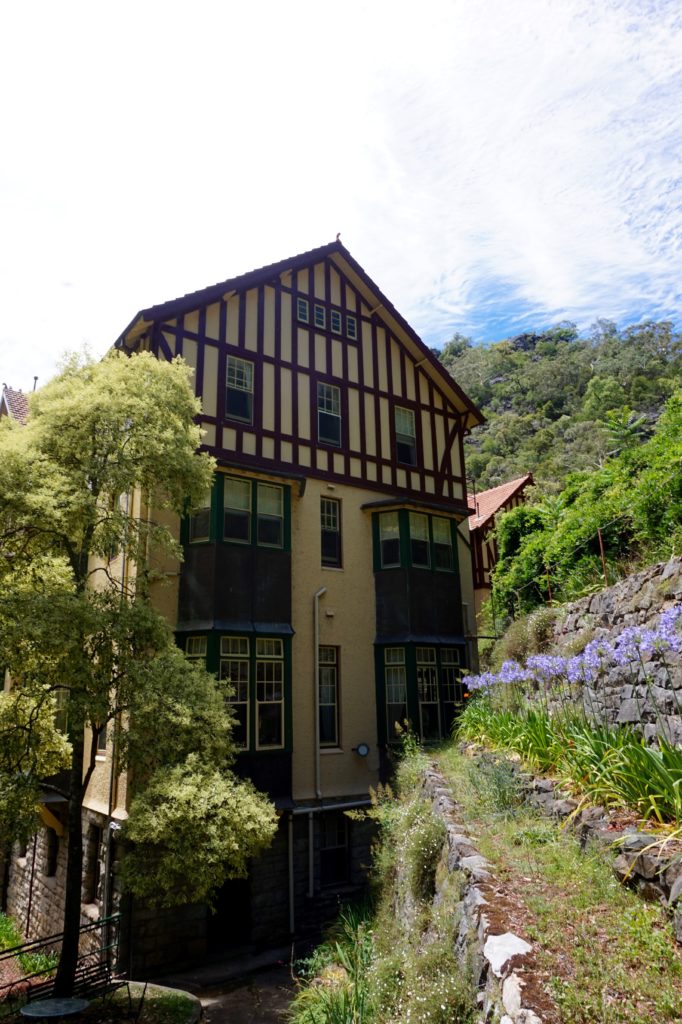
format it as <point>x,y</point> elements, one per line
<point>16,404</point>
<point>487,503</point>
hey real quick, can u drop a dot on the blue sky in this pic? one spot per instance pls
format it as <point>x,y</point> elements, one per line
<point>494,166</point>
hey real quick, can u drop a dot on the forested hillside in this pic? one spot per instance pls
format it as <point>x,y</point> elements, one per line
<point>598,421</point>
<point>556,402</point>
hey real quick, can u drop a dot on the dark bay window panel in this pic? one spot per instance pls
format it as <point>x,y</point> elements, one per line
<point>389,539</point>
<point>237,506</point>
<point>396,689</point>
<point>330,532</point>
<point>419,540</point>
<point>269,693</point>
<point>405,436</point>
<point>239,390</point>
<point>443,555</point>
<point>328,414</point>
<point>200,521</point>
<point>234,670</point>
<point>269,515</point>
<point>427,692</point>
<point>329,696</point>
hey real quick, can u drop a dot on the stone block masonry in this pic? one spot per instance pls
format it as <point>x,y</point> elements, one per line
<point>647,694</point>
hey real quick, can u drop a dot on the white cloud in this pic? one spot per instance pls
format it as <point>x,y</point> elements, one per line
<point>488,164</point>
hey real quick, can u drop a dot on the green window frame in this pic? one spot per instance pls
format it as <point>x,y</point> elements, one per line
<point>389,540</point>
<point>330,533</point>
<point>395,680</point>
<point>406,539</point>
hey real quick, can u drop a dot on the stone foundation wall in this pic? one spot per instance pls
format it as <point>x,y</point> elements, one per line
<point>646,695</point>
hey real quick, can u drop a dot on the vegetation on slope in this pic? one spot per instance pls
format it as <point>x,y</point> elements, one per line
<point>556,402</point>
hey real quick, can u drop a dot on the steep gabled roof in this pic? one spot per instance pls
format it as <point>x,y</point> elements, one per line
<point>372,295</point>
<point>14,404</point>
<point>487,503</point>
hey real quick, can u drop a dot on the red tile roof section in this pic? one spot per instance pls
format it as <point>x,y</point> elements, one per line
<point>487,503</point>
<point>16,403</point>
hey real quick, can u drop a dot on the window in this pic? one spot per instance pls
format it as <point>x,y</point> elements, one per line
<point>234,669</point>
<point>330,532</point>
<point>302,310</point>
<point>334,860</point>
<point>442,544</point>
<point>239,391</point>
<point>389,539</point>
<point>427,691</point>
<point>237,510</point>
<point>419,540</point>
<point>102,739</point>
<point>269,515</point>
<point>329,696</point>
<point>51,852</point>
<point>396,688</point>
<point>269,693</point>
<point>200,521</point>
<point>195,649</point>
<point>93,864</point>
<point>329,414</point>
<point>335,320</point>
<point>320,317</point>
<point>405,437</point>
<point>351,328</point>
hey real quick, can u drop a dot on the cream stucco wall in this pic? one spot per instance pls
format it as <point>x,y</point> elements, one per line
<point>347,620</point>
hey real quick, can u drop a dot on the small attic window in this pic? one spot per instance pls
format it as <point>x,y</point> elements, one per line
<point>303,310</point>
<point>335,319</point>
<point>320,317</point>
<point>351,328</point>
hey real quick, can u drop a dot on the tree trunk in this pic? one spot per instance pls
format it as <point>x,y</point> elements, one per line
<point>68,960</point>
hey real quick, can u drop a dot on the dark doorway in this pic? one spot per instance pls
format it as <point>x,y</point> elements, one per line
<point>229,926</point>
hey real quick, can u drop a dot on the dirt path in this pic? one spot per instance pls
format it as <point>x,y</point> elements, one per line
<point>261,998</point>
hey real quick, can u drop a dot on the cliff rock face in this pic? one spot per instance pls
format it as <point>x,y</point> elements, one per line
<point>647,692</point>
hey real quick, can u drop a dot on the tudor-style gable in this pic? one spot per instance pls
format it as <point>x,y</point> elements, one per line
<point>304,367</point>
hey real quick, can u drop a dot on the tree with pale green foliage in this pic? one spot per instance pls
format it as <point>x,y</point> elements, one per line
<point>82,639</point>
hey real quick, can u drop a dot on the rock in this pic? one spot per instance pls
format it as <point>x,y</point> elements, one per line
<point>629,712</point>
<point>499,949</point>
<point>677,922</point>
<point>675,890</point>
<point>511,995</point>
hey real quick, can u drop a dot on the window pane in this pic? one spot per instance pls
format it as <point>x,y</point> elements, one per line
<point>335,319</point>
<point>389,538</point>
<point>237,517</point>
<point>329,414</point>
<point>302,310</point>
<point>442,544</point>
<point>419,540</point>
<point>239,392</point>
<point>269,500</point>
<point>328,696</point>
<point>236,673</point>
<point>404,422</point>
<point>195,648</point>
<point>320,317</point>
<point>269,725</point>
<point>235,645</point>
<point>351,327</point>
<point>330,531</point>
<point>200,521</point>
<point>237,494</point>
<point>405,436</point>
<point>269,647</point>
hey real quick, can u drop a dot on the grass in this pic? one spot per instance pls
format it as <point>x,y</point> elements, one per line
<point>394,960</point>
<point>603,955</point>
<point>31,963</point>
<point>161,1006</point>
<point>612,765</point>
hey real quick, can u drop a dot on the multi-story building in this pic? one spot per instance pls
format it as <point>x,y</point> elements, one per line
<point>328,573</point>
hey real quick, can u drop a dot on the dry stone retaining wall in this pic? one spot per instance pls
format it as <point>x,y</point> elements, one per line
<point>623,695</point>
